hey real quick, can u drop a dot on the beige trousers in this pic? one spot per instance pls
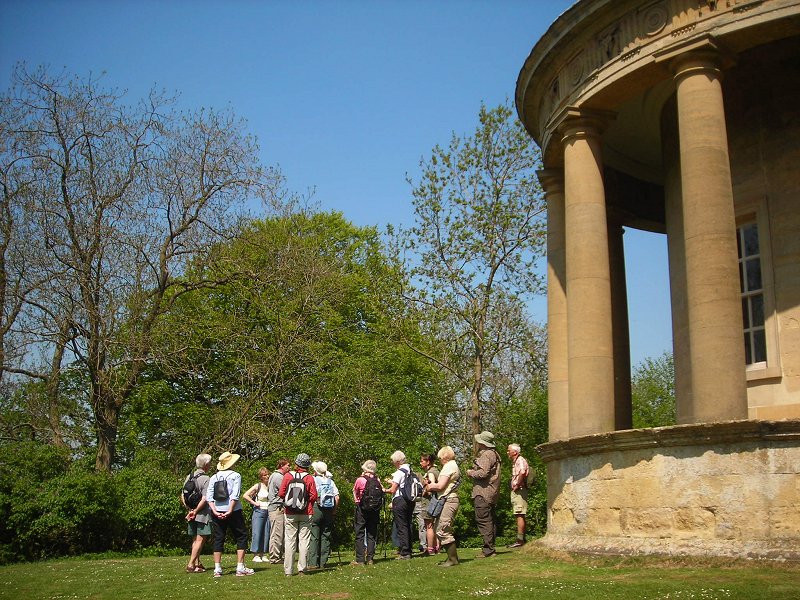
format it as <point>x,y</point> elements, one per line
<point>444,524</point>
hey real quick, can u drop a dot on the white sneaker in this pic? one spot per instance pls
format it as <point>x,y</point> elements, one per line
<point>244,572</point>
<point>258,559</point>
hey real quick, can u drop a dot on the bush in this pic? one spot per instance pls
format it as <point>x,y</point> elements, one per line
<point>73,513</point>
<point>51,506</point>
<point>151,512</point>
<point>26,469</point>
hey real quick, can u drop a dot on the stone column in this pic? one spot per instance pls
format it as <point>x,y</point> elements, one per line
<point>623,408</point>
<point>552,181</point>
<point>677,263</point>
<point>714,309</point>
<point>589,319</point>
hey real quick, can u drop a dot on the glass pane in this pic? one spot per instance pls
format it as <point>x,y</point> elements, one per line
<point>745,315</point>
<point>739,241</point>
<point>757,304</point>
<point>753,270</point>
<point>750,234</point>
<point>759,346</point>
<point>748,354</point>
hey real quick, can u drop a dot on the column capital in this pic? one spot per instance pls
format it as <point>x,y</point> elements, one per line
<point>702,54</point>
<point>551,180</point>
<point>581,123</point>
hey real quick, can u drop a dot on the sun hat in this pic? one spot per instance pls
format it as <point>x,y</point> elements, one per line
<point>303,460</point>
<point>226,461</point>
<point>485,438</point>
<point>320,468</point>
<point>369,466</point>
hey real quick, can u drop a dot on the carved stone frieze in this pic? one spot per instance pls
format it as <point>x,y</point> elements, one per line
<point>626,36</point>
<point>622,39</point>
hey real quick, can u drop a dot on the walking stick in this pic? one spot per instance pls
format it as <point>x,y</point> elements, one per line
<point>383,528</point>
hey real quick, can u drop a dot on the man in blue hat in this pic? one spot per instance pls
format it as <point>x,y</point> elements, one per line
<point>299,492</point>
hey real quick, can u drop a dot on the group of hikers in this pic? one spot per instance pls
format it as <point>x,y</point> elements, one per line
<point>294,507</point>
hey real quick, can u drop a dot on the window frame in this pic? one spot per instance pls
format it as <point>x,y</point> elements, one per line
<point>755,212</point>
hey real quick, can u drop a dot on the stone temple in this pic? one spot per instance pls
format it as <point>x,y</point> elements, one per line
<point>680,117</point>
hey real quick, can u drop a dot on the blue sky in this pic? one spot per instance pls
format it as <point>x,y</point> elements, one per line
<point>345,96</point>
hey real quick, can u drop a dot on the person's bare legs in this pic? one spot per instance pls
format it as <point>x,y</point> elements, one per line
<point>197,548</point>
<point>430,535</point>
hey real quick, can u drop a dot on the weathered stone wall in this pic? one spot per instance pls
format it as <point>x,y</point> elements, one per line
<point>763,118</point>
<point>723,489</point>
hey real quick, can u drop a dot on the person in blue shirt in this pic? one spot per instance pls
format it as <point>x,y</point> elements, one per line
<point>224,491</point>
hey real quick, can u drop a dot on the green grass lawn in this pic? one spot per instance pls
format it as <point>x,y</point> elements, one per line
<point>527,573</point>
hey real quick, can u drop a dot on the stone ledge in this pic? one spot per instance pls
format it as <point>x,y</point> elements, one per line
<point>752,550</point>
<point>704,434</point>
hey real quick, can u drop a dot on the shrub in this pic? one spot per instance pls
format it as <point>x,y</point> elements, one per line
<point>73,513</point>
<point>148,494</point>
<point>25,472</point>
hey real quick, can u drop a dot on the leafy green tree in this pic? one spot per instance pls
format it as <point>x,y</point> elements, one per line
<point>653,391</point>
<point>297,350</point>
<point>478,232</point>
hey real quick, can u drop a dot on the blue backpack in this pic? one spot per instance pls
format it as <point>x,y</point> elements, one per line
<point>327,499</point>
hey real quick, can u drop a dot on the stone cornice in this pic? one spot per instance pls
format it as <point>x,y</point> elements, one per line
<point>596,43</point>
<point>705,434</point>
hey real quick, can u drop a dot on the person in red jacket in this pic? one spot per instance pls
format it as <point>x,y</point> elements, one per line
<point>299,492</point>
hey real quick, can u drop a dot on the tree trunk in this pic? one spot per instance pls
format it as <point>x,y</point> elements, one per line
<point>107,428</point>
<point>475,399</point>
<point>54,386</point>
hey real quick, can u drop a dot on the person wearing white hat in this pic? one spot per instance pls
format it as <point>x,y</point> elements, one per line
<point>224,490</point>
<point>322,518</point>
<point>485,475</point>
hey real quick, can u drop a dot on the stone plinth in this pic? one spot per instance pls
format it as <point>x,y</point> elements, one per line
<point>723,489</point>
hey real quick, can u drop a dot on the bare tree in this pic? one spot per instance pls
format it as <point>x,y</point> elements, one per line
<point>122,199</point>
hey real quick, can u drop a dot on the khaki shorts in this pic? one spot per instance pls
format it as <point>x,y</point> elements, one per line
<point>519,501</point>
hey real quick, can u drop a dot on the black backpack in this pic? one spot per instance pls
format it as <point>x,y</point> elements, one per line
<point>372,496</point>
<point>221,490</point>
<point>412,489</point>
<point>191,491</point>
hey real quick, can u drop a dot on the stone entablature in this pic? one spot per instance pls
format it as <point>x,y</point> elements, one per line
<point>598,52</point>
<point>728,489</point>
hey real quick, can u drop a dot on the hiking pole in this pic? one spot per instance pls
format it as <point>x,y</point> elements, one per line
<point>385,518</point>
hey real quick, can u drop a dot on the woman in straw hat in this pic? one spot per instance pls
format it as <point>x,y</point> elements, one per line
<point>224,490</point>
